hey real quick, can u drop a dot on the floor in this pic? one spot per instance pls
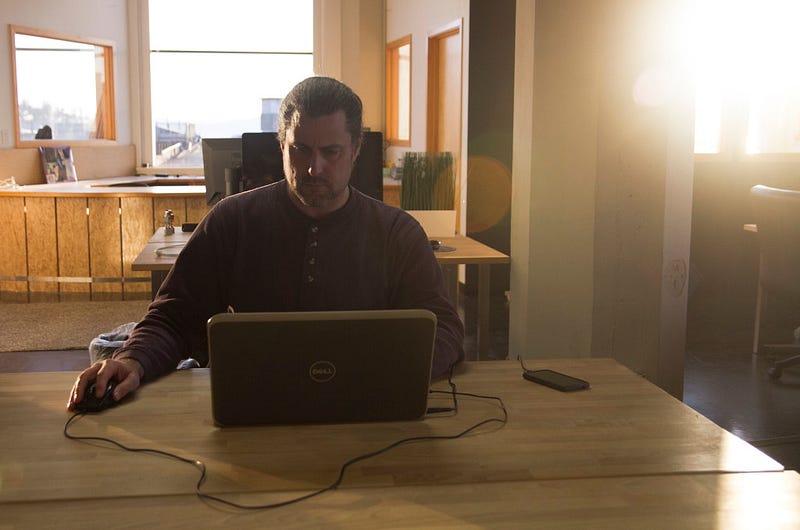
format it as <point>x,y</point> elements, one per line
<point>723,381</point>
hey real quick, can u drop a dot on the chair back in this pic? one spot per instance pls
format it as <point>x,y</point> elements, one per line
<point>777,215</point>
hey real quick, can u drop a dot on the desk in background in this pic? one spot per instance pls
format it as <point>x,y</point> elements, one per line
<point>467,252</point>
<point>623,454</point>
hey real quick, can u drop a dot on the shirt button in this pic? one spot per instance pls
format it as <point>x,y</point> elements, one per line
<point>310,279</point>
<point>314,229</point>
<point>312,261</point>
<point>312,244</point>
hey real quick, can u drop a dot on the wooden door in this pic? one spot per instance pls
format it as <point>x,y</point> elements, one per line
<point>444,98</point>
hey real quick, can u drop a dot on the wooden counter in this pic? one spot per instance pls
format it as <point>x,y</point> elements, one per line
<point>77,240</point>
<point>130,186</point>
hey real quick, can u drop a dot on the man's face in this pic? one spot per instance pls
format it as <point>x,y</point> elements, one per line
<point>318,157</point>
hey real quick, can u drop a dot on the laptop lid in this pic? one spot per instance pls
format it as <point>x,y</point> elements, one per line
<point>320,367</point>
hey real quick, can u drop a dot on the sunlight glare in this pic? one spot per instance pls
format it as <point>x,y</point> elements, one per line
<point>745,53</point>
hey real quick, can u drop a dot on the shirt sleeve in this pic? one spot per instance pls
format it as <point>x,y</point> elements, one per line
<point>421,285</point>
<point>174,327</point>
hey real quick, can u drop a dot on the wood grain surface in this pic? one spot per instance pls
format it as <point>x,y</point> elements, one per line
<point>13,263</point>
<point>40,233</point>
<point>73,244</point>
<point>715,501</point>
<point>105,246</point>
<point>622,427</point>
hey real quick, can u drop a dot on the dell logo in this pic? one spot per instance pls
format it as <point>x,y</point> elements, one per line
<point>322,371</point>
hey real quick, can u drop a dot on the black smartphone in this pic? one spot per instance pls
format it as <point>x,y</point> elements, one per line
<point>557,380</point>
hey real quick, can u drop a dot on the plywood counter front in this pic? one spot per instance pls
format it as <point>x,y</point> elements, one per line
<point>77,240</point>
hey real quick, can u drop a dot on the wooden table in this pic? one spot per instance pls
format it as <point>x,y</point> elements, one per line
<point>471,252</point>
<point>467,252</point>
<point>159,265</point>
<point>623,454</point>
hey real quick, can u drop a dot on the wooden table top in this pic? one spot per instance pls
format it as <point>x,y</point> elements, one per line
<point>691,501</point>
<point>149,260</point>
<point>128,186</point>
<point>467,251</point>
<point>623,427</point>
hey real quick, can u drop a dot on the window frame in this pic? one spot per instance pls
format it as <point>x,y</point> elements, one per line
<point>393,103</point>
<point>141,98</point>
<point>733,138</point>
<point>108,112</point>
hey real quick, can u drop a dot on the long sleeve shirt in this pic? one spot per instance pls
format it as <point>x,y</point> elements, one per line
<point>256,251</point>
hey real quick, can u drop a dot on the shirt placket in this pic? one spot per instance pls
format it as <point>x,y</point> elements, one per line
<point>310,262</point>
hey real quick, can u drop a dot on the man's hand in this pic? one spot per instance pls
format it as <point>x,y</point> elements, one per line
<point>127,373</point>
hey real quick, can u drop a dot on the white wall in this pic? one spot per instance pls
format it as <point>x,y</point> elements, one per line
<point>602,185</point>
<point>555,188</point>
<point>103,19</point>
<point>349,46</point>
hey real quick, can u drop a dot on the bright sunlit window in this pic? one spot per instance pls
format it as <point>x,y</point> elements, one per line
<point>64,87</point>
<point>748,83</point>
<point>219,69</point>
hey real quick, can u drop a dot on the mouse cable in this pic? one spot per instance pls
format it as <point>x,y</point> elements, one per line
<point>169,250</point>
<point>200,465</point>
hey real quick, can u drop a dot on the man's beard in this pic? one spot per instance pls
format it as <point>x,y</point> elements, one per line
<point>319,195</point>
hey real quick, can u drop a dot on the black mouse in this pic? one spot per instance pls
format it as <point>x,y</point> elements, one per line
<point>435,244</point>
<point>92,403</point>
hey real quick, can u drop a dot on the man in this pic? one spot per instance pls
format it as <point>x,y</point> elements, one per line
<point>309,243</point>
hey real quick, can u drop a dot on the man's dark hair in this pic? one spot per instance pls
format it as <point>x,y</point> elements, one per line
<point>320,96</point>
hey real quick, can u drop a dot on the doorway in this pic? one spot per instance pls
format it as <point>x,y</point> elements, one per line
<point>444,99</point>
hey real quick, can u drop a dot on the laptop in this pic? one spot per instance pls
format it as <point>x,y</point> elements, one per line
<point>320,367</point>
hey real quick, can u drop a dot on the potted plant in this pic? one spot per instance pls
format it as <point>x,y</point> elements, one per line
<point>427,191</point>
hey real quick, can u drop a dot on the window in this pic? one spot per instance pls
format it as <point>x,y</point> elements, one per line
<point>219,69</point>
<point>398,92</point>
<point>63,88</point>
<point>748,85</point>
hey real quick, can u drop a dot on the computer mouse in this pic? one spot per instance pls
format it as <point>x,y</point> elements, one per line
<point>92,403</point>
<point>435,244</point>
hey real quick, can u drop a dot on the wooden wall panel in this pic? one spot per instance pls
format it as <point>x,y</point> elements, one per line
<point>97,162</point>
<point>40,228</point>
<point>24,164</point>
<point>105,248</point>
<point>137,227</point>
<point>196,209</point>
<point>91,162</point>
<point>73,247</point>
<point>176,204</point>
<point>13,250</point>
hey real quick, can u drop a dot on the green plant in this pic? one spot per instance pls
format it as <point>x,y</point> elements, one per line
<point>428,181</point>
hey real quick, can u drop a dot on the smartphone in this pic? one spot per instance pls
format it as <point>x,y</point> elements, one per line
<point>557,380</point>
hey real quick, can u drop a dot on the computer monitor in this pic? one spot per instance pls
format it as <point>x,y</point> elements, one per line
<point>262,162</point>
<point>220,154</point>
<point>367,176</point>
